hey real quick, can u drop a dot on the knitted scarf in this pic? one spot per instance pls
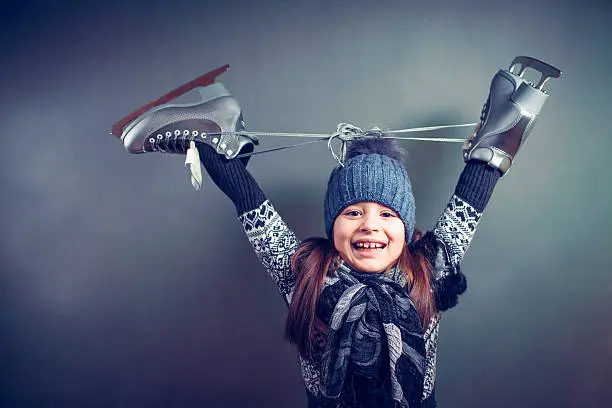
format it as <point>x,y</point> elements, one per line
<point>375,352</point>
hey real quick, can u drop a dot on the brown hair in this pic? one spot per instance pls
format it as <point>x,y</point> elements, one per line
<point>311,262</point>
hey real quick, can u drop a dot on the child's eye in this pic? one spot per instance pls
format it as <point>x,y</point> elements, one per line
<point>352,213</point>
<point>387,214</point>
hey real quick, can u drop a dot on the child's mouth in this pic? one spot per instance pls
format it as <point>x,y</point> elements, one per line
<point>368,245</point>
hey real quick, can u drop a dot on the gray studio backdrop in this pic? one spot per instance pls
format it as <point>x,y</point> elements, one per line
<point>123,287</point>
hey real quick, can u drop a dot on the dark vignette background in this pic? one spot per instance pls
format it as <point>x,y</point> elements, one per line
<point>122,287</point>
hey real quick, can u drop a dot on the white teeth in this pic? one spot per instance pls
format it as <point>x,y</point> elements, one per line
<point>368,245</point>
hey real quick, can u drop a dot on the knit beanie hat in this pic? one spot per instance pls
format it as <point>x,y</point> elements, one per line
<point>372,171</point>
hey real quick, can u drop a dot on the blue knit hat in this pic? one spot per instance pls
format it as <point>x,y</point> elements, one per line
<point>372,172</point>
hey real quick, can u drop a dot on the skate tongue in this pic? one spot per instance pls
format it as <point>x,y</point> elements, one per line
<point>192,160</point>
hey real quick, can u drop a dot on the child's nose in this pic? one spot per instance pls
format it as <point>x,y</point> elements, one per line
<point>370,223</point>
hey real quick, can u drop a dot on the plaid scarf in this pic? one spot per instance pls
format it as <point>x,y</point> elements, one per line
<point>375,352</point>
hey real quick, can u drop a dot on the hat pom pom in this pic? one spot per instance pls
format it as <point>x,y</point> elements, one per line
<point>375,145</point>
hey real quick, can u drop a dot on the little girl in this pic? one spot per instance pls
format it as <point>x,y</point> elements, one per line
<point>364,301</point>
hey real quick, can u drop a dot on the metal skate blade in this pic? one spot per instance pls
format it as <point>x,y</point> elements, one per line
<point>547,71</point>
<point>201,81</point>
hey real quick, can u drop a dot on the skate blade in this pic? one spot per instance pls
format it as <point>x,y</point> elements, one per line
<point>201,81</point>
<point>547,71</point>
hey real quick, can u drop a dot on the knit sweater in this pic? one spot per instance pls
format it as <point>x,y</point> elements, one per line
<point>444,246</point>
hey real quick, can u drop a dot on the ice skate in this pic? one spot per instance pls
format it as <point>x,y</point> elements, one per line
<point>163,126</point>
<point>508,116</point>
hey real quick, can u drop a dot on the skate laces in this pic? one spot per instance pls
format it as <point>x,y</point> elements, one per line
<point>345,132</point>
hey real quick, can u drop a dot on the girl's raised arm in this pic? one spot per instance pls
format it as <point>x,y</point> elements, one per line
<point>451,237</point>
<point>273,242</point>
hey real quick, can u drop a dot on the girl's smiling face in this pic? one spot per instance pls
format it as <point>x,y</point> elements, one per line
<point>369,236</point>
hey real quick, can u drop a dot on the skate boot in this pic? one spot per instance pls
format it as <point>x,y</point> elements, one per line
<point>161,126</point>
<point>509,114</point>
